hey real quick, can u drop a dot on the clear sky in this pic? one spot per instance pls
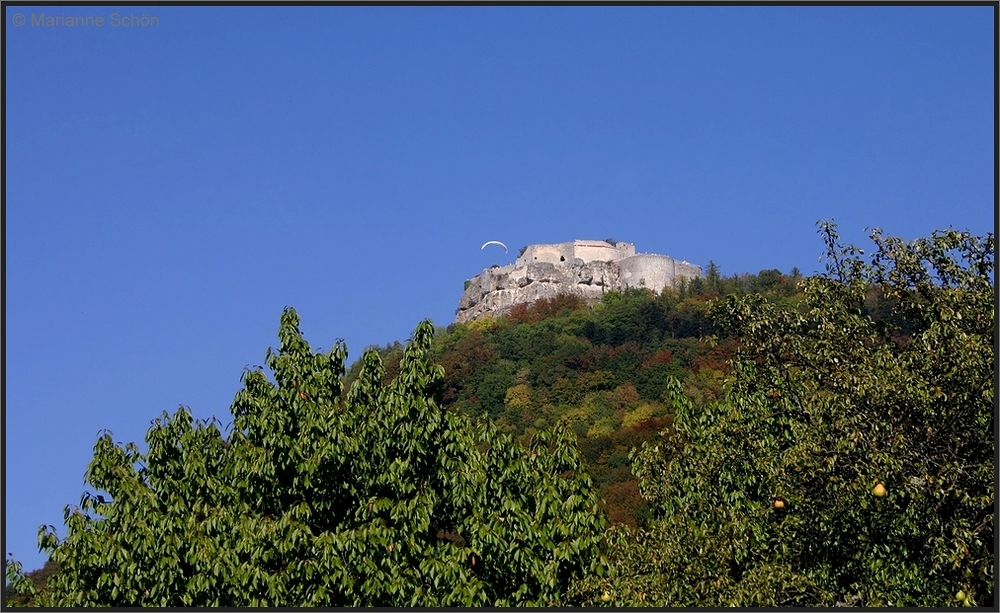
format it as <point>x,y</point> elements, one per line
<point>170,188</point>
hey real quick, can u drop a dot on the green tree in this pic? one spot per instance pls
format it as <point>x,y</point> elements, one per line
<point>518,398</point>
<point>374,497</point>
<point>849,462</point>
<point>712,277</point>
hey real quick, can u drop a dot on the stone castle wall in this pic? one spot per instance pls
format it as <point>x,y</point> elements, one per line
<point>581,268</point>
<point>655,271</point>
<point>588,251</point>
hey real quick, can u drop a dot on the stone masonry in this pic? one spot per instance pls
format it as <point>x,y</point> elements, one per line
<point>583,268</point>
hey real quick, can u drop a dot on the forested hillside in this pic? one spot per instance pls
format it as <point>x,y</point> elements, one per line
<point>603,371</point>
<point>759,440</point>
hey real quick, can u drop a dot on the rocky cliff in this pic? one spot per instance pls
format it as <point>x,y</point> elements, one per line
<point>582,268</point>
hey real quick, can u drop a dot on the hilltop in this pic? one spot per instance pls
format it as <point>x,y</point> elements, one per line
<point>602,368</point>
<point>584,268</point>
<point>782,441</point>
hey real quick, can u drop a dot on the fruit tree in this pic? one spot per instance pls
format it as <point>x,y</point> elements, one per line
<point>867,411</point>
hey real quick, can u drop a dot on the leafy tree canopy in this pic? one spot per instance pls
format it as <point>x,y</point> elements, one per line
<point>316,497</point>
<point>844,455</point>
<point>602,370</point>
<point>851,460</point>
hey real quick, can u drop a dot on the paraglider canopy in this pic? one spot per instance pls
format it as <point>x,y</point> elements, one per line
<point>494,243</point>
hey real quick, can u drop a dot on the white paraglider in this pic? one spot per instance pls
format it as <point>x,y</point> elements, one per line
<point>494,243</point>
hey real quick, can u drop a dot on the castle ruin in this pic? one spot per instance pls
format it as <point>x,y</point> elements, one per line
<point>584,268</point>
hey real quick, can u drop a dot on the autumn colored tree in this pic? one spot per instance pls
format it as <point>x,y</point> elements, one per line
<point>851,460</point>
<point>319,498</point>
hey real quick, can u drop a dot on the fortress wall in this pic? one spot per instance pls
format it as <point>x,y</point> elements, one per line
<point>582,268</point>
<point>565,253</point>
<point>524,258</point>
<point>687,270</point>
<point>654,272</point>
<point>591,251</point>
<point>649,271</point>
<point>553,254</point>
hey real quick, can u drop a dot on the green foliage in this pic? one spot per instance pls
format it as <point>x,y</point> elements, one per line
<point>30,583</point>
<point>317,497</point>
<point>576,362</point>
<point>827,402</point>
<point>400,483</point>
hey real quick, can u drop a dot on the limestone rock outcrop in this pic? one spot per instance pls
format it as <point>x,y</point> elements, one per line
<point>581,268</point>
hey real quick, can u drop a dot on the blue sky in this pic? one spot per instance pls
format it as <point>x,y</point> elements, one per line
<point>170,188</point>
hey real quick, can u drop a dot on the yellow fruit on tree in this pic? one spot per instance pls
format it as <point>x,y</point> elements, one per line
<point>779,503</point>
<point>606,597</point>
<point>879,490</point>
<point>960,595</point>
